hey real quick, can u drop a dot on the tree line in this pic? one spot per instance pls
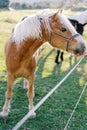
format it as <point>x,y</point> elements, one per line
<point>4,3</point>
<point>44,4</point>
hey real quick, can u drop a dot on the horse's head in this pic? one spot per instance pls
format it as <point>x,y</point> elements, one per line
<point>63,35</point>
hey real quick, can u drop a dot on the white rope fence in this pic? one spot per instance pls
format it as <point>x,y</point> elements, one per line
<point>21,122</point>
<point>66,127</point>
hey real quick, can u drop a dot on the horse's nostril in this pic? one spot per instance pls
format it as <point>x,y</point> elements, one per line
<point>79,49</point>
<point>76,51</point>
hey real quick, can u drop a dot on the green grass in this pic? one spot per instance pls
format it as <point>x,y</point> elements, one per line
<point>55,112</point>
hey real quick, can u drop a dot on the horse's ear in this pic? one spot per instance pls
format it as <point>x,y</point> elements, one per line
<point>84,24</point>
<point>55,16</point>
<point>60,11</point>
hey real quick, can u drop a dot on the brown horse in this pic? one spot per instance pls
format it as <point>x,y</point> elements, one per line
<point>27,36</point>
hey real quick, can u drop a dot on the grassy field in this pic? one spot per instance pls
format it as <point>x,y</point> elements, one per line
<point>55,112</point>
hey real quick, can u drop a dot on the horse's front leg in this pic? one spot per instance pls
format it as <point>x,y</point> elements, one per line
<point>6,106</point>
<point>61,56</point>
<point>30,94</point>
<point>57,57</point>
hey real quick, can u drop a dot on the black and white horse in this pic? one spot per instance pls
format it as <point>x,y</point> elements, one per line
<point>78,21</point>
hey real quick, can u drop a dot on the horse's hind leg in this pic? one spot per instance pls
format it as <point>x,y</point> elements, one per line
<point>5,111</point>
<point>26,84</point>
<point>30,94</point>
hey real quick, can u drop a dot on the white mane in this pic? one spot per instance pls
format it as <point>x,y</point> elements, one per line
<point>82,17</point>
<point>30,27</point>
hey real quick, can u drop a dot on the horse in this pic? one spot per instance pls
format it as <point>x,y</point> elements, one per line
<point>78,26</point>
<point>78,21</point>
<point>26,38</point>
<point>81,17</point>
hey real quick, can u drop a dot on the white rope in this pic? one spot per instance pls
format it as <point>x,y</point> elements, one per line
<point>21,122</point>
<point>66,127</point>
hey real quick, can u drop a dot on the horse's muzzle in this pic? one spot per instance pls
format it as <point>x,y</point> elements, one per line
<point>80,49</point>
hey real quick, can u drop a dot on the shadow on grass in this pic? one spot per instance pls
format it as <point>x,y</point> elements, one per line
<point>54,113</point>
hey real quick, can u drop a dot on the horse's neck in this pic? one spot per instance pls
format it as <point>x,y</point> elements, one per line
<point>29,48</point>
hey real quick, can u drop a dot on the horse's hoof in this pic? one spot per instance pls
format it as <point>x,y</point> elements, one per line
<point>3,115</point>
<point>33,115</point>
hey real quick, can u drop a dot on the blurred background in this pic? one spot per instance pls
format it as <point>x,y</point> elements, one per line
<point>53,115</point>
<point>41,4</point>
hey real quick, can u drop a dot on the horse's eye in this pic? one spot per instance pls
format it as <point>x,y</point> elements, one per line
<point>63,30</point>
